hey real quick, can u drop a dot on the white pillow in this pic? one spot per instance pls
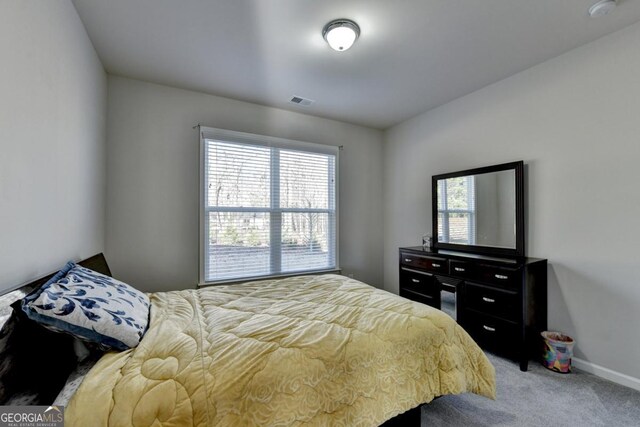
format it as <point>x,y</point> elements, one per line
<point>90,306</point>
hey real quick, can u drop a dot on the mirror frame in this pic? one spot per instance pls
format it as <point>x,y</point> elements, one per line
<point>519,250</point>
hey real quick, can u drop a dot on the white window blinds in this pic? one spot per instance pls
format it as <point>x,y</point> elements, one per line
<point>268,206</point>
<point>457,210</point>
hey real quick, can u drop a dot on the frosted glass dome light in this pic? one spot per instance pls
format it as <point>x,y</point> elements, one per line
<point>341,34</point>
<point>602,8</point>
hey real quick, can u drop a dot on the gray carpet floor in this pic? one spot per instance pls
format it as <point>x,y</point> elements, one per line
<point>539,397</point>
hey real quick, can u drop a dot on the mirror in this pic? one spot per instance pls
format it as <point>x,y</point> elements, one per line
<point>480,210</point>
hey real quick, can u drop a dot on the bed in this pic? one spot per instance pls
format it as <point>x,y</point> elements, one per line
<point>308,350</point>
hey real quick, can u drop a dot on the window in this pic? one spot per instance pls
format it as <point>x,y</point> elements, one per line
<point>268,206</point>
<point>457,210</point>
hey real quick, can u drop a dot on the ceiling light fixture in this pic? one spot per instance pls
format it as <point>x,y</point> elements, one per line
<point>603,7</point>
<point>341,34</point>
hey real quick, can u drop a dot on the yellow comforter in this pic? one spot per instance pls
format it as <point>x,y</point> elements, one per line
<point>315,350</point>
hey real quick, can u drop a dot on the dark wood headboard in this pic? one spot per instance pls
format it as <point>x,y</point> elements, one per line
<point>96,263</point>
<point>22,342</point>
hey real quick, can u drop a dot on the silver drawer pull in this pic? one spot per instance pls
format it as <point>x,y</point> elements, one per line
<point>501,276</point>
<point>408,260</point>
<point>435,265</point>
<point>415,280</point>
<point>488,328</point>
<point>485,299</point>
<point>458,269</point>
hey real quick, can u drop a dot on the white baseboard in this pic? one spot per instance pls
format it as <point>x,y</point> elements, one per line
<point>601,371</point>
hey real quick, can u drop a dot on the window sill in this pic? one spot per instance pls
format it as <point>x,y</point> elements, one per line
<point>261,278</point>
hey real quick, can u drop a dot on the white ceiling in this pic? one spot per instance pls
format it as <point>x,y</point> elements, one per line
<point>412,55</point>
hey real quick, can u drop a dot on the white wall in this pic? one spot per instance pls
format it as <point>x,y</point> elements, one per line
<point>52,134</point>
<point>153,175</point>
<point>574,120</point>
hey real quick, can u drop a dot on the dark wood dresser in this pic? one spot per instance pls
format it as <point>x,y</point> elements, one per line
<point>500,302</point>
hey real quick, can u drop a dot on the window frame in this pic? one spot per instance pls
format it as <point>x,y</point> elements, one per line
<point>209,133</point>
<point>471,219</point>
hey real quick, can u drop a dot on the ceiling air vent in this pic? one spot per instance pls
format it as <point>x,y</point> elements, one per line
<point>301,101</point>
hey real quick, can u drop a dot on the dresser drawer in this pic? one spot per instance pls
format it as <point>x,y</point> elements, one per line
<point>416,281</point>
<point>430,300</point>
<point>496,335</point>
<point>423,262</point>
<point>496,302</point>
<point>461,269</point>
<point>501,276</point>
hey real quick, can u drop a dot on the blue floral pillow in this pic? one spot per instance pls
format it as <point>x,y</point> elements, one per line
<point>91,306</point>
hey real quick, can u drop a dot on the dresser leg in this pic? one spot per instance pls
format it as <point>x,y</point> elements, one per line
<point>524,364</point>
